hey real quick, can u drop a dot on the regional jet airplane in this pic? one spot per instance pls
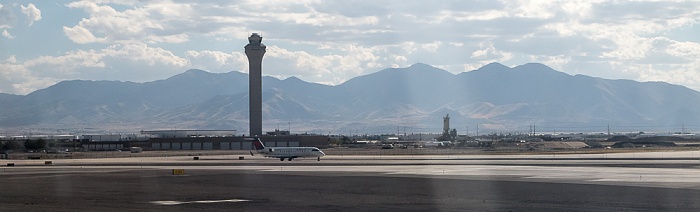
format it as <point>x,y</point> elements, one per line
<point>287,152</point>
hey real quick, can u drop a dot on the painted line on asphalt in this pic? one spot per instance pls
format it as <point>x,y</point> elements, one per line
<point>197,202</point>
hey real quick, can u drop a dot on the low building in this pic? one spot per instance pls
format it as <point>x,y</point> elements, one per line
<point>104,145</point>
<point>236,143</point>
<point>102,138</point>
<point>189,133</point>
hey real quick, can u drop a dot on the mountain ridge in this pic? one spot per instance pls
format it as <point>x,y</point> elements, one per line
<point>497,96</point>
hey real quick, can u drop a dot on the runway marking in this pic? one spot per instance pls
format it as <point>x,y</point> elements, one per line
<point>197,202</point>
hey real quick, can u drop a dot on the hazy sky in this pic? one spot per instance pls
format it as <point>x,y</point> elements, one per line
<point>329,42</point>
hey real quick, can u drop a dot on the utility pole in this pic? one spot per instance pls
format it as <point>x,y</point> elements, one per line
<point>683,129</point>
<point>477,130</point>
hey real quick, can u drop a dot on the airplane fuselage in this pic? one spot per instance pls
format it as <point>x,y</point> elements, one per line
<point>291,152</point>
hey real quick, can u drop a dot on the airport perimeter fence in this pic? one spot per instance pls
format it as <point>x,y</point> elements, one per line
<point>123,154</point>
<point>329,151</point>
<point>398,151</point>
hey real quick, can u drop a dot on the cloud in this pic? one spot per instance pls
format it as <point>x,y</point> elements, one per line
<point>80,35</point>
<point>217,61</point>
<point>7,34</point>
<point>171,22</point>
<point>669,61</point>
<point>315,18</point>
<point>490,54</point>
<point>17,79</point>
<point>125,62</point>
<point>331,68</point>
<point>432,47</point>
<point>332,41</point>
<point>152,23</point>
<point>33,13</point>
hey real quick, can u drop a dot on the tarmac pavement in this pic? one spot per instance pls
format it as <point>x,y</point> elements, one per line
<point>647,182</point>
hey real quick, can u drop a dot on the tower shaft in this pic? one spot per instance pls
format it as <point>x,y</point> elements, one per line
<point>255,51</point>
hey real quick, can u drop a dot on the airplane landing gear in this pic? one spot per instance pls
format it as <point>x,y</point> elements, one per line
<point>281,159</point>
<point>290,159</point>
<point>318,159</point>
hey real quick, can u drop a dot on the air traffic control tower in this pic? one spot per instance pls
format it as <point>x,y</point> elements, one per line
<point>255,51</point>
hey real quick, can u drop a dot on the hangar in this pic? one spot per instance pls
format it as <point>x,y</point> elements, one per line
<point>236,143</point>
<point>188,133</point>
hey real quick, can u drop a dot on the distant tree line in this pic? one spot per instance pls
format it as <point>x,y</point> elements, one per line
<point>10,145</point>
<point>28,144</point>
<point>35,144</point>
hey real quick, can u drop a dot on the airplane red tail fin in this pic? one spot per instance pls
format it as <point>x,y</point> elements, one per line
<point>258,144</point>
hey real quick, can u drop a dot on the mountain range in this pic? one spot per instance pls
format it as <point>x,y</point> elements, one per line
<point>412,100</point>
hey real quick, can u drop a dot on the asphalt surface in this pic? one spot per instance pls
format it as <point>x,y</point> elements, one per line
<point>309,185</point>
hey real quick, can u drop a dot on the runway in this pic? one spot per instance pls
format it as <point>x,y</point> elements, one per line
<point>620,182</point>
